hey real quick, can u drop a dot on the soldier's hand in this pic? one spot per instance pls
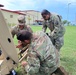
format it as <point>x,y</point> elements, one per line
<point>23,63</point>
<point>19,44</point>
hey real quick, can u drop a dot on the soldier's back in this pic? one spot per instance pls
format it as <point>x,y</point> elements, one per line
<point>47,54</point>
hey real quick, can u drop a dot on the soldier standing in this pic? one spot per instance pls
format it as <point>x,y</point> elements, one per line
<point>55,25</point>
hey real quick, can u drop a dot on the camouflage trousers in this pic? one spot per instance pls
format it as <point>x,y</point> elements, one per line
<point>58,42</point>
<point>44,71</point>
<point>59,71</point>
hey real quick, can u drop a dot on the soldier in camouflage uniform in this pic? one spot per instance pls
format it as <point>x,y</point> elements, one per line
<point>21,26</point>
<point>42,56</point>
<point>55,25</point>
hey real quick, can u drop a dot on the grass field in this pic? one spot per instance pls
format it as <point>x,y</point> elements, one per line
<point>68,51</point>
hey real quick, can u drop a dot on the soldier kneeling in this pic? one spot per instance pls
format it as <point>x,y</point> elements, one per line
<point>42,56</point>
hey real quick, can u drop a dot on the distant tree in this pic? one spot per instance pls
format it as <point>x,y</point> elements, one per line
<point>65,22</point>
<point>69,23</point>
<point>74,25</point>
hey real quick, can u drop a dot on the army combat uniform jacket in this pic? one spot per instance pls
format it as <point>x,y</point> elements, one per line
<point>16,29</point>
<point>56,28</point>
<point>43,58</point>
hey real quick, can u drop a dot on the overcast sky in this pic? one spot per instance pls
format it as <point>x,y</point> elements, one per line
<point>57,6</point>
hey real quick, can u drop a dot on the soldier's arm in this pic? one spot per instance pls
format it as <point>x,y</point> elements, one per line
<point>33,64</point>
<point>56,30</point>
<point>12,32</point>
<point>29,29</point>
<point>44,27</point>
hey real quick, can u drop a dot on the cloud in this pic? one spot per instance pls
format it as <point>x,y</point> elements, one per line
<point>67,1</point>
<point>6,3</point>
<point>17,4</point>
<point>60,1</point>
<point>33,4</point>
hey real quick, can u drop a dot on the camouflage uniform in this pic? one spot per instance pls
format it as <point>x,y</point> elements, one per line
<point>43,58</point>
<point>56,28</point>
<point>16,29</point>
<point>21,22</point>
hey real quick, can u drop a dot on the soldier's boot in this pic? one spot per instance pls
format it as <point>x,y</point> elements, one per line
<point>60,71</point>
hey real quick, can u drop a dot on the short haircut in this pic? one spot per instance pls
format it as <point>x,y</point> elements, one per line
<point>45,12</point>
<point>24,35</point>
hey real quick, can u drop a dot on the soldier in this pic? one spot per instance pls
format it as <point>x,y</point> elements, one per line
<point>21,26</point>
<point>42,56</point>
<point>55,25</point>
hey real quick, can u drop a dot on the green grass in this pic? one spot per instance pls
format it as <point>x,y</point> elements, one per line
<point>68,51</point>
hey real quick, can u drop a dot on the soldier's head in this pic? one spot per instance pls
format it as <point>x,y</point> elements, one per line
<point>45,14</point>
<point>24,36</point>
<point>21,21</point>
